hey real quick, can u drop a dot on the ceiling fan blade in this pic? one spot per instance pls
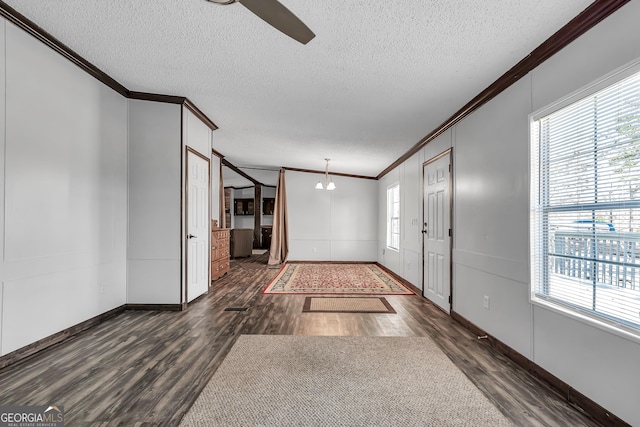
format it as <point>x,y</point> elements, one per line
<point>279,17</point>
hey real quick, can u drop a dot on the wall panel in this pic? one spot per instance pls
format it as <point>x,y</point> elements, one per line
<point>65,172</point>
<point>3,24</point>
<point>491,223</point>
<point>339,225</point>
<point>155,205</point>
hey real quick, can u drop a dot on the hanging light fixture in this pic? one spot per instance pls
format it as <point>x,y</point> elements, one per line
<point>328,182</point>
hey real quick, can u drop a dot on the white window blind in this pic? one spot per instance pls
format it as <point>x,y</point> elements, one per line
<point>585,225</point>
<point>393,217</point>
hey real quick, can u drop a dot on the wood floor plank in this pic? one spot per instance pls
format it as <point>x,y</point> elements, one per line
<point>147,368</point>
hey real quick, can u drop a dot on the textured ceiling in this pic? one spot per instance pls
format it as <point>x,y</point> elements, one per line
<point>378,77</point>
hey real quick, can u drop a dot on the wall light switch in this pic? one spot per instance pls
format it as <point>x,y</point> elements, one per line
<point>486,302</point>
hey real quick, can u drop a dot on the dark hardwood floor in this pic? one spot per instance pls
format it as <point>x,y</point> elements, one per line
<point>147,368</point>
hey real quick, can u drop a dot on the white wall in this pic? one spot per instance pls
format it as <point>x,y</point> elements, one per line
<point>216,195</point>
<point>155,188</point>
<point>64,137</point>
<point>338,225</point>
<point>197,135</point>
<point>491,223</point>
<point>91,192</point>
<point>390,258</point>
<point>565,347</point>
<point>3,144</point>
<point>407,261</point>
<point>157,165</point>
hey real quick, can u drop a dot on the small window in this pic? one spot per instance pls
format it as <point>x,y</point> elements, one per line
<point>393,217</point>
<point>585,200</point>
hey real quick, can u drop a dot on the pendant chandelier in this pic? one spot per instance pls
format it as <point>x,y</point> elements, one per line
<point>328,182</point>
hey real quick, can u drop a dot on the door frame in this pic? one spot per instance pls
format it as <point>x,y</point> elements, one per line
<point>448,152</point>
<point>186,223</point>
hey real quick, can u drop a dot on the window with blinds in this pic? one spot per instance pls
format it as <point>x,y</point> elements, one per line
<point>393,217</point>
<point>585,225</point>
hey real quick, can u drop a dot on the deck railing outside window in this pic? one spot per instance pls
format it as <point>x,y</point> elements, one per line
<point>597,270</point>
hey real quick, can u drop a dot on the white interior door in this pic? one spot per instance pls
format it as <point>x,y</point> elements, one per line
<point>436,231</point>
<point>198,225</point>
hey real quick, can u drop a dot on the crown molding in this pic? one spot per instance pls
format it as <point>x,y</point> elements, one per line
<point>199,114</point>
<point>348,175</point>
<point>31,28</point>
<point>228,164</point>
<point>587,19</point>
<point>145,96</point>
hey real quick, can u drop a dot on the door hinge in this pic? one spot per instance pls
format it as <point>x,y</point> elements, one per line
<point>449,299</point>
<point>450,232</point>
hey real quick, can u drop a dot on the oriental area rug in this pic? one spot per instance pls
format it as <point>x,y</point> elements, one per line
<point>308,278</point>
<point>274,380</point>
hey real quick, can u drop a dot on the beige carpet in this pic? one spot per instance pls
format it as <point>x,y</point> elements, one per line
<point>346,305</point>
<point>340,381</point>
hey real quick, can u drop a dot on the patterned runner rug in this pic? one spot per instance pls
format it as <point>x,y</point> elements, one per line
<point>335,279</point>
<point>340,381</point>
<point>346,305</point>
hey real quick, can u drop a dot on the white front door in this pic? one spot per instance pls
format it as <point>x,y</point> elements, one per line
<point>198,225</point>
<point>436,231</point>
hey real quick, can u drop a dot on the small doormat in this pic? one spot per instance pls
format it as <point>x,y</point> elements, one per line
<point>346,305</point>
<point>309,278</point>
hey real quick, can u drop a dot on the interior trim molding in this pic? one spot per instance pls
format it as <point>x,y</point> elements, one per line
<point>173,99</point>
<point>587,19</point>
<point>571,395</point>
<point>348,175</point>
<point>217,154</point>
<point>46,342</point>
<point>228,164</point>
<point>145,96</point>
<point>31,28</point>
<point>199,114</point>
<point>239,188</point>
<point>154,307</point>
<point>400,279</point>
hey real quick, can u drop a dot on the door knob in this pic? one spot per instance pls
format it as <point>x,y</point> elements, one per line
<point>191,236</point>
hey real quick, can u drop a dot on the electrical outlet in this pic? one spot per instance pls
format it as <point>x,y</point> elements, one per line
<point>314,250</point>
<point>486,302</point>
